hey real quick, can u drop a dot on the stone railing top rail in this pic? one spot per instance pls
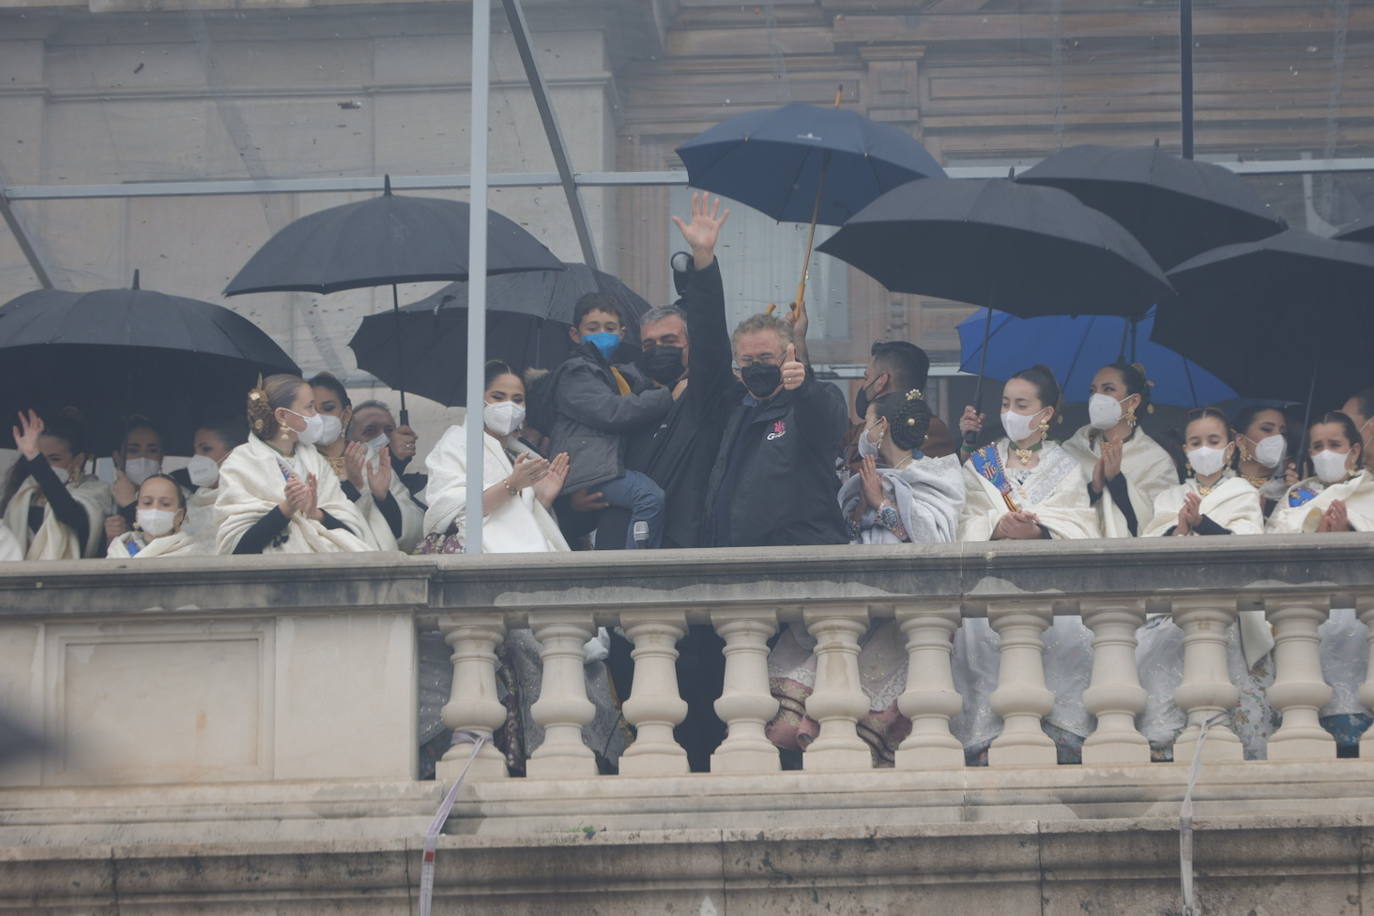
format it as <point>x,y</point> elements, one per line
<point>1246,570</point>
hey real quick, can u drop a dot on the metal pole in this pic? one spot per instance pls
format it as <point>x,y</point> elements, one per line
<point>1185,55</point>
<point>477,269</point>
<point>25,247</point>
<point>520,31</point>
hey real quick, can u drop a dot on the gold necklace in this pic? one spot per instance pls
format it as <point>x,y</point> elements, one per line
<point>1257,481</point>
<point>1024,454</point>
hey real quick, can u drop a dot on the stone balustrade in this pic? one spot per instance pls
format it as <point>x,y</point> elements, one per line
<point>224,669</point>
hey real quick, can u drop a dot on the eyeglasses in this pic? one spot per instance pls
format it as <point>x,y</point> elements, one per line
<point>763,359</point>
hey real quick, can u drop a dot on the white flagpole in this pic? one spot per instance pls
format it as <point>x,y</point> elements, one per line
<point>477,269</point>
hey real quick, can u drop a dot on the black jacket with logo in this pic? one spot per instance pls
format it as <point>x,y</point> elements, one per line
<point>774,480</point>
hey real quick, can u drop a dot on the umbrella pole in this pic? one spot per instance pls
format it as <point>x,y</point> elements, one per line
<point>811,234</point>
<point>970,437</point>
<point>1311,396</point>
<point>400,354</point>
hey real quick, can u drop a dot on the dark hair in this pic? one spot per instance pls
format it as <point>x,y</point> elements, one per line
<point>496,368</point>
<point>907,416</point>
<point>907,363</point>
<point>1134,378</point>
<point>1365,398</point>
<point>1203,413</point>
<point>277,391</point>
<point>330,381</point>
<point>181,495</point>
<point>66,425</point>
<point>232,431</point>
<point>138,421</point>
<point>1245,417</point>
<point>1046,388</point>
<point>596,302</point>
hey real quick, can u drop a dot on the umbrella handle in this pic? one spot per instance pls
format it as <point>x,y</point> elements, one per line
<point>971,437</point>
<point>811,234</point>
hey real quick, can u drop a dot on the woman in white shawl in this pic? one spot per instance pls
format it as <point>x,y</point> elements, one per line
<point>210,445</point>
<point>54,510</point>
<point>520,488</point>
<point>1212,501</point>
<point>1126,469</point>
<point>1024,487</point>
<point>1262,453</point>
<point>910,499</point>
<point>520,485</point>
<point>276,493</point>
<point>1339,496</point>
<point>159,524</point>
<point>366,479</point>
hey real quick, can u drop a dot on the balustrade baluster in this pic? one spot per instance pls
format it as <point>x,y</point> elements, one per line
<point>1299,691</point>
<point>747,703</point>
<point>1021,697</point>
<point>930,699</point>
<point>1364,607</point>
<point>838,701</point>
<point>473,702</point>
<point>1206,690</point>
<point>1115,695</point>
<point>563,707</point>
<point>655,705</point>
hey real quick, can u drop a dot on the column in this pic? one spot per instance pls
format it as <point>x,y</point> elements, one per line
<point>1206,690</point>
<point>562,708</point>
<point>1364,608</point>
<point>746,704</point>
<point>1115,695</point>
<point>473,705</point>
<point>1299,690</point>
<point>655,705</point>
<point>1021,697</point>
<point>838,702</point>
<point>930,700</point>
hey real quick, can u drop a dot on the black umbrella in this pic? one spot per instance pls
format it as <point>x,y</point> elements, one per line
<point>384,241</point>
<point>117,352</point>
<point>1177,208</point>
<point>527,326</point>
<point>1286,318</point>
<point>802,163</point>
<point>1362,230</point>
<point>1019,248</point>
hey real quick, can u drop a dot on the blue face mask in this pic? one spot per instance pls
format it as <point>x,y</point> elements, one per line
<point>605,342</point>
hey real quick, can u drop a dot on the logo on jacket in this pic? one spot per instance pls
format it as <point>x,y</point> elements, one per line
<point>779,430</point>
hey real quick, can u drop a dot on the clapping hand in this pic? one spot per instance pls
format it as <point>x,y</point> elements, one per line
<point>1190,515</point>
<point>529,469</point>
<point>355,464</point>
<point>297,497</point>
<point>871,481</point>
<point>1335,518</point>
<point>548,488</point>
<point>379,480</point>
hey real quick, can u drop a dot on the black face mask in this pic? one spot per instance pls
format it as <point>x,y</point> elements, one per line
<point>861,401</point>
<point>761,380</point>
<point>661,363</point>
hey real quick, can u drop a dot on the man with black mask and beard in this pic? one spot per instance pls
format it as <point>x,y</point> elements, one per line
<point>774,479</point>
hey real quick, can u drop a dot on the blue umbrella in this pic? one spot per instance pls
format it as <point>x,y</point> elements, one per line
<point>800,163</point>
<point>1076,346</point>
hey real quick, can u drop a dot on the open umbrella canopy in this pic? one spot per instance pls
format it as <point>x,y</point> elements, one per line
<point>1176,207</point>
<point>1076,346</point>
<point>114,353</point>
<point>775,160</point>
<point>1276,317</point>
<point>1362,230</point>
<point>386,240</point>
<point>545,294</point>
<point>1019,248</point>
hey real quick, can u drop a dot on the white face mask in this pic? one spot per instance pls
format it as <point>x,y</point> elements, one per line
<point>140,469</point>
<point>314,427</point>
<point>155,522</point>
<point>378,442</point>
<point>1018,425</point>
<point>1271,450</point>
<point>1330,466</point>
<point>867,447</point>
<point>503,417</point>
<point>203,471</point>
<point>330,429</point>
<point>1206,460</point>
<point>1104,411</point>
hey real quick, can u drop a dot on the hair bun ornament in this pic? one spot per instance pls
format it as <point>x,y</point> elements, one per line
<point>910,421</point>
<point>915,395</point>
<point>72,412</point>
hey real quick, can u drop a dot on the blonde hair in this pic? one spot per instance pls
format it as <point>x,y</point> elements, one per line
<point>263,401</point>
<point>764,322</point>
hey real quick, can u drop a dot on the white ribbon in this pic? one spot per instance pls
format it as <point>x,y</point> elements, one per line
<point>440,818</point>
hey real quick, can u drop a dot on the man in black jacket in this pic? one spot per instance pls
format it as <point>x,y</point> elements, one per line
<point>774,480</point>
